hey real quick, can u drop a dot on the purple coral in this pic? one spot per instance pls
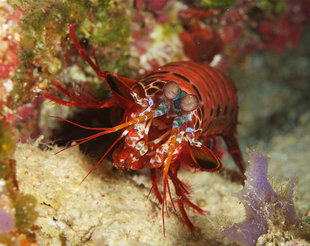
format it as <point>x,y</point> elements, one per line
<point>264,207</point>
<point>6,222</point>
<point>153,6</point>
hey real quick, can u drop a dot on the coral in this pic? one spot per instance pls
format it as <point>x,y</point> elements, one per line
<point>217,3</point>
<point>155,35</point>
<point>200,44</point>
<point>35,52</point>
<point>17,210</point>
<point>28,120</point>
<point>153,6</point>
<point>6,222</point>
<point>307,220</point>
<point>285,32</point>
<point>244,27</point>
<point>7,140</point>
<point>25,211</point>
<point>44,51</point>
<point>232,28</point>
<point>9,38</point>
<point>266,210</point>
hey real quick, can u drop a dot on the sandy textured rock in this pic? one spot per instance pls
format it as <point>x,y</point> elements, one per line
<point>110,207</point>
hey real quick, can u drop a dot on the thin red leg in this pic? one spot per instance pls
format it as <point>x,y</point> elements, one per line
<point>78,98</point>
<point>154,185</point>
<point>234,150</point>
<point>85,55</point>
<point>182,194</point>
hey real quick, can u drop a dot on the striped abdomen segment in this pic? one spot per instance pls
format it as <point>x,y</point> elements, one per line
<point>217,111</point>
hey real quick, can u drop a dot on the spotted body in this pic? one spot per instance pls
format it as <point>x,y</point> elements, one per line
<point>172,117</point>
<point>216,114</point>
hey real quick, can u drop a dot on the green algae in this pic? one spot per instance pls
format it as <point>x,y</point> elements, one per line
<point>274,6</point>
<point>217,3</point>
<point>307,220</point>
<point>7,141</point>
<point>45,47</point>
<point>277,6</point>
<point>25,211</point>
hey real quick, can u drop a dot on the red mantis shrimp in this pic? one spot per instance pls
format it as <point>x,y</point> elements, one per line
<point>172,117</point>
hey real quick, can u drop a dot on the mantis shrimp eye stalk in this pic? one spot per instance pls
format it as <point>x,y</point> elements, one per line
<point>189,103</point>
<point>172,91</point>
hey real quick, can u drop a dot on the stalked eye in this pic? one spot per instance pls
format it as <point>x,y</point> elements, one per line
<point>171,90</point>
<point>189,103</point>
